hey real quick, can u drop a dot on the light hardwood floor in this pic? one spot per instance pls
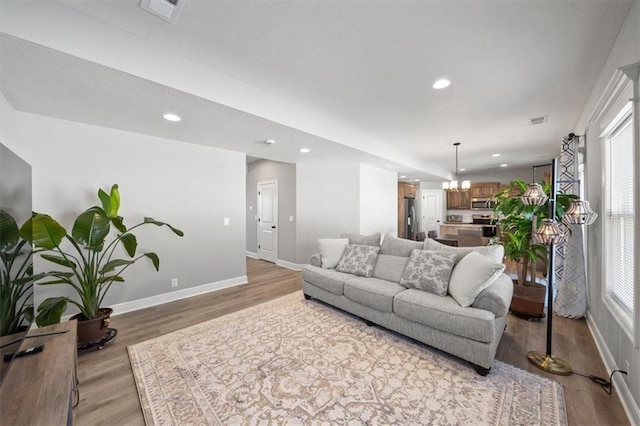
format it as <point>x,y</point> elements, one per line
<point>108,393</point>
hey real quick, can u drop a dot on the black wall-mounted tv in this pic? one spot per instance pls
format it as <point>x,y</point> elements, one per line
<point>16,265</point>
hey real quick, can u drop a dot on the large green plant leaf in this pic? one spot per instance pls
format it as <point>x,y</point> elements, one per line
<point>59,260</point>
<point>115,263</point>
<point>155,259</point>
<point>158,223</point>
<point>9,233</point>
<point>50,311</point>
<point>118,222</point>
<point>110,202</point>
<point>43,231</point>
<point>91,228</point>
<point>130,243</point>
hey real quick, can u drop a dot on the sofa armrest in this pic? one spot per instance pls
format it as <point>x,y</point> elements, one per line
<point>316,260</point>
<point>497,297</point>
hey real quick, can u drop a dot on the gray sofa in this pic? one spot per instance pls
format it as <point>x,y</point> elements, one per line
<point>471,333</point>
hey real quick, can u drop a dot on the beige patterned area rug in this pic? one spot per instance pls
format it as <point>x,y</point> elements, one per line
<point>292,361</point>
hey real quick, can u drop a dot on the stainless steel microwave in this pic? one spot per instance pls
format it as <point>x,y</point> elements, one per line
<point>482,204</point>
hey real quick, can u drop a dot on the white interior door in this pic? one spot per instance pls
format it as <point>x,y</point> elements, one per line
<point>268,220</point>
<point>431,210</point>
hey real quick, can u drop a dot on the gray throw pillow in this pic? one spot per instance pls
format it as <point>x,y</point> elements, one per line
<point>389,267</point>
<point>494,252</point>
<point>429,271</point>
<point>365,240</point>
<point>471,275</point>
<point>399,246</point>
<point>358,260</point>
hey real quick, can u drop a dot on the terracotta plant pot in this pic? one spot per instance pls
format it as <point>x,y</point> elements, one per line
<point>528,301</point>
<point>95,329</point>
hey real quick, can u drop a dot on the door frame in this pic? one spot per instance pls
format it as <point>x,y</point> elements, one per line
<point>259,212</point>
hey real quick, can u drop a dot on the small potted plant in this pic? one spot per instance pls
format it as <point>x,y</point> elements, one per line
<point>88,260</point>
<point>516,224</point>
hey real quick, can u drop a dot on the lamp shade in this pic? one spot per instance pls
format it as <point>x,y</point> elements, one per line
<point>445,185</point>
<point>466,184</point>
<point>534,195</point>
<point>580,213</point>
<point>548,232</point>
<point>453,184</point>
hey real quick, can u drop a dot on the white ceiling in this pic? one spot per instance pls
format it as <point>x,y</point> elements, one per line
<point>366,65</point>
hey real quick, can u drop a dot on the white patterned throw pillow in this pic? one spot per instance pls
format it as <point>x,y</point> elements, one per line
<point>471,275</point>
<point>429,271</point>
<point>358,260</point>
<point>331,251</point>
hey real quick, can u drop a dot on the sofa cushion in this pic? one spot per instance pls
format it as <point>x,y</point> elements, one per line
<point>365,240</point>
<point>398,246</point>
<point>372,292</point>
<point>429,271</point>
<point>327,279</point>
<point>389,267</point>
<point>471,275</point>
<point>494,252</point>
<point>331,251</point>
<point>358,260</point>
<point>444,313</point>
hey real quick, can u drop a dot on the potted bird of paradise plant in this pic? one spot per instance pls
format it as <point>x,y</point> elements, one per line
<point>89,261</point>
<point>516,223</point>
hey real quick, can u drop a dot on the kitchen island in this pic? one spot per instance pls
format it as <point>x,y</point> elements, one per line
<point>462,230</point>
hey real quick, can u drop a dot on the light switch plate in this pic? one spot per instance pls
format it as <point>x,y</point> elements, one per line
<point>290,218</point>
<point>226,221</point>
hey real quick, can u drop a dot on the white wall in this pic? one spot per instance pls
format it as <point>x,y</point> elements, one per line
<point>378,200</point>
<point>7,124</point>
<point>328,203</point>
<point>285,174</point>
<point>616,345</point>
<point>189,186</point>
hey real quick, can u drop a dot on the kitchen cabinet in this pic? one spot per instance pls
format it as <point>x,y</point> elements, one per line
<point>513,193</point>
<point>484,189</point>
<point>460,200</point>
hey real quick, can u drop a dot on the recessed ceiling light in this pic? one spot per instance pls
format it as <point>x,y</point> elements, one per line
<point>269,142</point>
<point>305,150</point>
<point>504,165</point>
<point>416,180</point>
<point>441,84</point>
<point>462,170</point>
<point>171,117</point>
<point>495,155</point>
<point>402,177</point>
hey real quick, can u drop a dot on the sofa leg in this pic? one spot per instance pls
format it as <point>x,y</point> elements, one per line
<point>367,322</point>
<point>307,297</point>
<point>481,370</point>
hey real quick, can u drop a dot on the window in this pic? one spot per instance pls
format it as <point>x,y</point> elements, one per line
<point>619,223</point>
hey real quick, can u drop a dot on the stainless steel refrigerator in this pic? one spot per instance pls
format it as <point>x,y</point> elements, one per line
<point>410,219</point>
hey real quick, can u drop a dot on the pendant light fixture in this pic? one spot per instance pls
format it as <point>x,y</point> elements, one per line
<point>453,184</point>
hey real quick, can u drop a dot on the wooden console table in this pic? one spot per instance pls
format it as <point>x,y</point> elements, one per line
<point>39,388</point>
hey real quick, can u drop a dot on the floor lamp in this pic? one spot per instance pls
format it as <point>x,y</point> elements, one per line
<point>549,234</point>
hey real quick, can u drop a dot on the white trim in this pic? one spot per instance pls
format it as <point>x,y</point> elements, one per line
<point>620,385</point>
<point>615,88</point>
<point>160,299</point>
<point>251,254</point>
<point>290,265</point>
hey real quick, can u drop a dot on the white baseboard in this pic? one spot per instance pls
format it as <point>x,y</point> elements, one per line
<point>289,265</point>
<point>163,298</point>
<point>621,386</point>
<point>279,262</point>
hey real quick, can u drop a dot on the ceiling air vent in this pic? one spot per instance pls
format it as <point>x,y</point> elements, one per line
<point>167,10</point>
<point>539,120</point>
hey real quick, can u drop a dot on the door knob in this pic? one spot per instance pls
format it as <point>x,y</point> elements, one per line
<point>273,227</point>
